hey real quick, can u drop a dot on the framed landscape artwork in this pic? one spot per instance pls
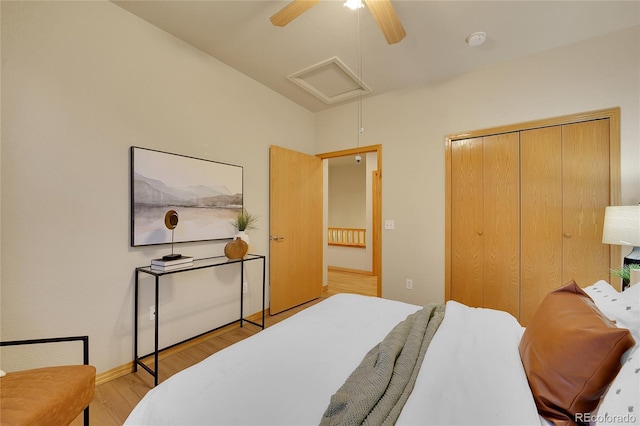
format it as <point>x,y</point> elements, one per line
<point>207,196</point>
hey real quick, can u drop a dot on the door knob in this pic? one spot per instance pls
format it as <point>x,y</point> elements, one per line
<point>567,235</point>
<point>276,238</point>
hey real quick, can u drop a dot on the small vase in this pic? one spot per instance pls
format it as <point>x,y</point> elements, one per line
<point>236,249</point>
<point>244,236</point>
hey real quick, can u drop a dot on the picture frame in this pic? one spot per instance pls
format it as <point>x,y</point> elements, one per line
<point>207,196</point>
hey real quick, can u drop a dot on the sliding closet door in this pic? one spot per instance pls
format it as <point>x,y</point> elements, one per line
<point>502,222</point>
<point>585,181</point>
<point>467,219</point>
<point>541,210</point>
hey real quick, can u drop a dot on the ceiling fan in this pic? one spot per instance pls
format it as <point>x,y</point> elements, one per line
<point>382,11</point>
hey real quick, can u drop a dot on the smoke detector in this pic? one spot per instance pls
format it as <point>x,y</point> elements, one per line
<point>476,39</point>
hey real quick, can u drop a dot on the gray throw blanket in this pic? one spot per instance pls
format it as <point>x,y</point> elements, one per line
<point>378,388</point>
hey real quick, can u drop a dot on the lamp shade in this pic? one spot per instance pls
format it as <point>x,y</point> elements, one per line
<point>622,225</point>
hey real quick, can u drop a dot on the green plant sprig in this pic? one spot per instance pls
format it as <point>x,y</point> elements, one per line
<point>245,221</point>
<point>625,272</point>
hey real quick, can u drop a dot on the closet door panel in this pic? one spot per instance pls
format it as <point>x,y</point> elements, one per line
<point>585,195</point>
<point>502,222</point>
<point>466,215</point>
<point>541,216</point>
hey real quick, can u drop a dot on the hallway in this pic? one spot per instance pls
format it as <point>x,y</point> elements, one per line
<point>351,282</point>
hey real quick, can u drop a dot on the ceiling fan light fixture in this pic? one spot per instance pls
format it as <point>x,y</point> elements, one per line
<point>353,4</point>
<point>476,39</point>
<point>382,10</point>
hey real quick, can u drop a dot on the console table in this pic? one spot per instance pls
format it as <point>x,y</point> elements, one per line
<point>210,262</point>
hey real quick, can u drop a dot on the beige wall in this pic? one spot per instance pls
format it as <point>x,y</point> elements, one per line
<point>411,125</point>
<point>82,82</point>
<point>347,196</point>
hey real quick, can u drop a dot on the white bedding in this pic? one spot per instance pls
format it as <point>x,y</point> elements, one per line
<point>472,373</point>
<point>286,374</point>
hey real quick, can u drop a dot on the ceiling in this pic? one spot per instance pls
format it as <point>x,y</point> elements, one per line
<point>239,34</point>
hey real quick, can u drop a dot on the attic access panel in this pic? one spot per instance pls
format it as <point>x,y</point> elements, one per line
<point>330,81</point>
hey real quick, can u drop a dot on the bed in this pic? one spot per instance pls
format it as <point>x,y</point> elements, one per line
<point>472,372</point>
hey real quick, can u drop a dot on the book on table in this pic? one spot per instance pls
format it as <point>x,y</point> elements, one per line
<point>179,261</point>
<point>165,268</point>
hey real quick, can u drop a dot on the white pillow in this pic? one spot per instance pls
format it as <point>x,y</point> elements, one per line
<point>601,291</point>
<point>621,403</point>
<point>2,373</point>
<point>629,311</point>
<point>623,308</point>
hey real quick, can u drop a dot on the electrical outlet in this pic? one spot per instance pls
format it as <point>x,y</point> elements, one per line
<point>245,287</point>
<point>152,313</point>
<point>409,284</point>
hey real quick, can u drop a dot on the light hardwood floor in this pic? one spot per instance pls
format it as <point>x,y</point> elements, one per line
<point>352,282</point>
<point>114,400</point>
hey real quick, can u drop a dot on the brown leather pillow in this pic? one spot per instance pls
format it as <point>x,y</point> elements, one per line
<point>571,353</point>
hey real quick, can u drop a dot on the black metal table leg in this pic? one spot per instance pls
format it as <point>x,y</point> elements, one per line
<point>241,292</point>
<point>157,320</point>
<point>264,269</point>
<point>135,324</point>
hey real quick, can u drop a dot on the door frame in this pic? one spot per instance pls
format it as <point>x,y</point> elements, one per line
<point>612,114</point>
<point>376,207</point>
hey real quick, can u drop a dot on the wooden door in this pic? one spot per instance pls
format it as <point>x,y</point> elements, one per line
<point>295,249</point>
<point>467,222</point>
<point>541,211</point>
<point>585,189</point>
<point>501,158</point>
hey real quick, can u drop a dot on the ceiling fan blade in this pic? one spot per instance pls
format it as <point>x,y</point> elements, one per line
<point>389,23</point>
<point>291,12</point>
